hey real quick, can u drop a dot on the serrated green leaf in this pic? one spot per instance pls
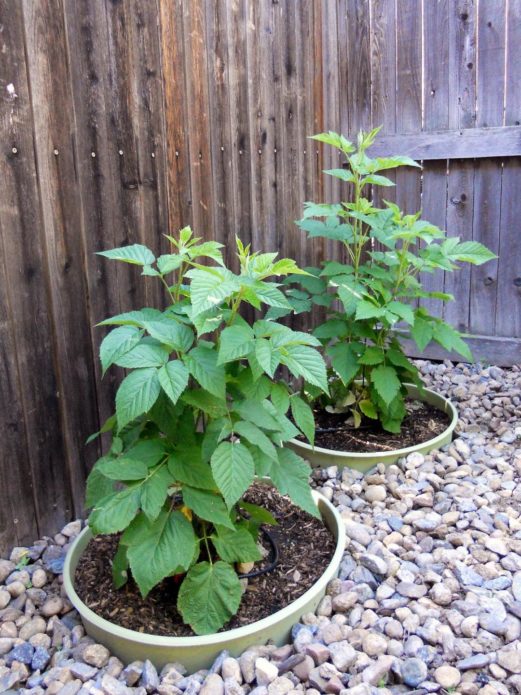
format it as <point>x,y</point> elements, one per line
<point>256,389</point>
<point>207,402</point>
<point>450,339</point>
<point>116,343</point>
<point>398,359</point>
<point>137,254</point>
<point>290,475</point>
<point>304,418</point>
<point>207,506</point>
<point>107,426</point>
<point>472,252</point>
<point>421,332</point>
<point>137,393</point>
<point>120,567</point>
<point>123,469</point>
<point>335,140</point>
<point>268,293</point>
<point>186,465</point>
<point>114,513</point>
<point>333,328</point>
<point>266,356</point>
<point>98,486</point>
<point>173,378</point>
<point>368,310</point>
<point>209,249</point>
<point>258,514</point>
<point>306,362</point>
<point>132,318</point>
<point>170,332</point>
<point>169,262</point>
<point>372,355</point>
<point>386,382</point>
<point>344,361</point>
<point>210,287</point>
<point>368,409</point>
<point>202,365</point>
<point>233,470</point>
<point>154,492</point>
<point>209,595</point>
<point>256,437</point>
<point>235,546</point>
<point>144,354</point>
<point>256,412</point>
<point>280,397</point>
<point>150,272</point>
<point>235,342</point>
<point>146,451</point>
<point>404,311</point>
<point>166,546</point>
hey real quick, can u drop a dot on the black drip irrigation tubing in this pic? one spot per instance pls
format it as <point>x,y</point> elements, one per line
<point>273,562</point>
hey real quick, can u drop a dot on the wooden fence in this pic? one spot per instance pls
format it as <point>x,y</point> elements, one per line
<point>122,119</point>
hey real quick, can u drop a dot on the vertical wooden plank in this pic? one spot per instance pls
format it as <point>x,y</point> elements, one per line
<point>176,116</point>
<point>462,30</point>
<point>436,117</point>
<point>491,26</point>
<point>198,118</point>
<point>53,123</point>
<point>508,296</point>
<point>358,94</point>
<point>219,104</point>
<point>332,79</point>
<point>27,287</point>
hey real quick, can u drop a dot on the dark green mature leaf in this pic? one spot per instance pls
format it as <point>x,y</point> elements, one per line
<point>236,342</point>
<point>137,254</point>
<point>209,595</point>
<point>202,364</point>
<point>114,513</point>
<point>280,397</point>
<point>144,354</point>
<point>386,382</point>
<point>372,355</point>
<point>207,402</point>
<point>154,491</point>
<point>98,486</point>
<point>166,546</point>
<point>256,437</point>
<point>137,393</point>
<point>306,362</point>
<point>132,318</point>
<point>116,343</point>
<point>235,546</point>
<point>333,328</point>
<point>173,378</point>
<point>256,412</point>
<point>450,339</point>
<point>170,332</point>
<point>120,567</point>
<point>344,361</point>
<point>207,506</point>
<point>186,465</point>
<point>147,451</point>
<point>290,475</point>
<point>233,470</point>
<point>121,469</point>
<point>258,514</point>
<point>304,418</point>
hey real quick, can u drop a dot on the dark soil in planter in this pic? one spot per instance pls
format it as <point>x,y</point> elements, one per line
<point>306,546</point>
<point>422,423</point>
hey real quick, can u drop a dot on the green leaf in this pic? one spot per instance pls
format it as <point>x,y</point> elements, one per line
<point>116,343</point>
<point>150,272</point>
<point>144,354</point>
<point>114,513</point>
<point>131,318</point>
<point>98,486</point>
<point>367,310</point>
<point>472,252</point>
<point>233,470</point>
<point>121,469</point>
<point>304,418</point>
<point>280,397</point>
<point>333,328</point>
<point>450,339</point>
<point>386,383</point>
<point>120,567</point>
<point>107,426</point>
<point>186,465</point>
<point>209,249</point>
<point>266,356</point>
<point>136,254</point>
<point>208,403</point>
<point>173,378</point>
<point>258,514</point>
<point>377,180</point>
<point>154,492</point>
<point>368,409</point>
<point>207,506</point>
<point>394,162</point>
<point>290,475</point>
<point>404,311</point>
<point>256,412</point>
<point>202,364</point>
<point>255,436</point>
<point>235,546</point>
<point>336,140</point>
<point>235,342</point>
<point>209,595</point>
<point>169,262</point>
<point>344,361</point>
<point>210,287</point>
<point>268,293</point>
<point>306,362</point>
<point>398,359</point>
<point>166,546</point>
<point>170,332</point>
<point>137,393</point>
<point>146,451</point>
<point>372,355</point>
<point>422,332</point>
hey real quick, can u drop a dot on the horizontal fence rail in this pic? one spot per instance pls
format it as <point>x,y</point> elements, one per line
<point>123,120</point>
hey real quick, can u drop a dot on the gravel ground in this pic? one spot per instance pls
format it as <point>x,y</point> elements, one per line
<point>428,598</point>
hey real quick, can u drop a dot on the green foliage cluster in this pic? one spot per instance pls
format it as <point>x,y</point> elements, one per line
<point>376,290</point>
<point>198,416</point>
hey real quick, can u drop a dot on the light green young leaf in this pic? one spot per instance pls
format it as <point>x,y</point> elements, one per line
<point>137,393</point>
<point>368,310</point>
<point>304,418</point>
<point>259,514</point>
<point>233,470</point>
<point>386,382</point>
<point>207,506</point>
<point>116,343</point>
<point>137,254</point>
<point>266,356</point>
<point>404,311</point>
<point>210,287</point>
<point>170,332</point>
<point>173,378</point>
<point>169,262</point>
<point>209,595</point>
<point>472,252</point>
<point>368,409</point>
<point>166,547</point>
